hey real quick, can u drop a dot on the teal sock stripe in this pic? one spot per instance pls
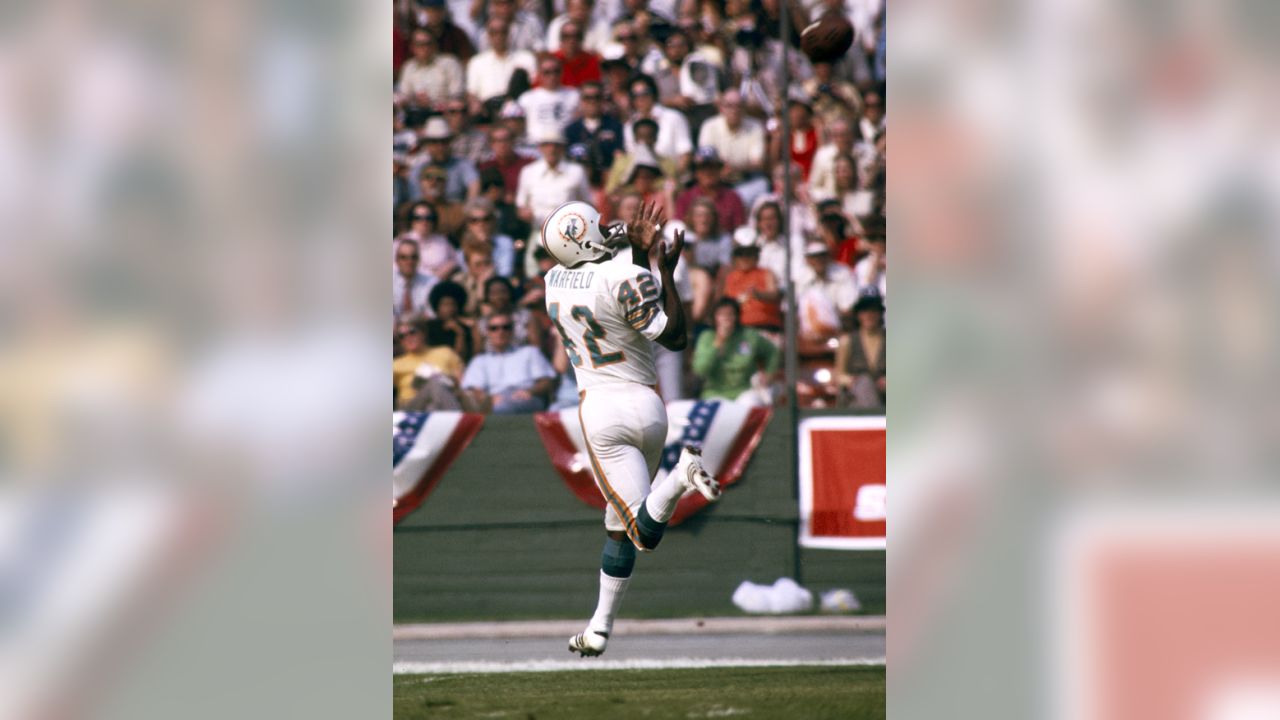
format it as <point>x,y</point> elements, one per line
<point>649,530</point>
<point>618,558</point>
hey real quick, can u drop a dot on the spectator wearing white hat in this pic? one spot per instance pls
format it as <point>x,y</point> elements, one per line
<point>462,180</point>
<point>512,118</point>
<point>825,293</point>
<point>545,184</point>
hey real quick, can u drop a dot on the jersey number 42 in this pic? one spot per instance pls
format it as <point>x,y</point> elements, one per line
<point>591,337</point>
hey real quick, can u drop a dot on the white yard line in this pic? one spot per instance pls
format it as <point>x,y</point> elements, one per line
<point>438,668</point>
<point>768,625</point>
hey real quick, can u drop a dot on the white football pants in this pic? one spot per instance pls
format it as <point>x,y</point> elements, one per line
<point>625,427</point>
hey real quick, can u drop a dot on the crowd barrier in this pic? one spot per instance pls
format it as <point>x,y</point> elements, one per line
<point>503,536</point>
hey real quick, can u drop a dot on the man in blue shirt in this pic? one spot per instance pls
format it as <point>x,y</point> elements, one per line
<point>597,132</point>
<point>510,380</point>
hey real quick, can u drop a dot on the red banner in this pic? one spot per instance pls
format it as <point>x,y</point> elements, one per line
<point>842,483</point>
<point>424,445</point>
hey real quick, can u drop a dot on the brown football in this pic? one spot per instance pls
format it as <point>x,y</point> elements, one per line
<point>827,39</point>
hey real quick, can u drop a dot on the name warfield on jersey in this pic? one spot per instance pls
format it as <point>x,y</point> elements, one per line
<point>607,314</point>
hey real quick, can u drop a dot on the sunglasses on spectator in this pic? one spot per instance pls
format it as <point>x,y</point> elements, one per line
<point>590,97</point>
<point>626,38</point>
<point>499,328</point>
<point>570,36</point>
<point>424,216</point>
<point>414,256</point>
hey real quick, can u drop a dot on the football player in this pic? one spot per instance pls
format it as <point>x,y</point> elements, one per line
<point>609,311</point>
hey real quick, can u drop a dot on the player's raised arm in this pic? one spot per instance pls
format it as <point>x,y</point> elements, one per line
<point>675,335</point>
<point>642,232</point>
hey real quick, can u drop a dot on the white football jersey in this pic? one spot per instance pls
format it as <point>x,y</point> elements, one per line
<point>608,313</point>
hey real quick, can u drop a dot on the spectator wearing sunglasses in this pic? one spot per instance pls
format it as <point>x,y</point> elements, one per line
<point>674,139</point>
<point>430,76</point>
<point>431,185</point>
<point>529,327</point>
<point>468,144</point>
<point>416,351</point>
<point>583,14</point>
<point>578,65</point>
<point>482,226</point>
<point>632,46</point>
<point>409,287</point>
<point>527,31</point>
<point>461,178</point>
<point>549,107</point>
<point>598,133</point>
<point>508,379</point>
<point>419,224</point>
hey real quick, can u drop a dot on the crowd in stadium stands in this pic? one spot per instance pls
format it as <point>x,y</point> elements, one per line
<point>504,109</point>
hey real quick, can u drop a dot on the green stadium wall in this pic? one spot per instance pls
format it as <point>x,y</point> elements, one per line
<point>503,538</point>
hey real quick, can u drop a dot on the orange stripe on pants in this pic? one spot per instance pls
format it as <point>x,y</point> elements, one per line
<point>610,495</point>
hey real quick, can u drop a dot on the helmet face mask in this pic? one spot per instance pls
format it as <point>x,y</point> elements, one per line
<point>572,235</point>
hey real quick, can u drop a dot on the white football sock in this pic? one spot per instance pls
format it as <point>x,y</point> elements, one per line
<point>663,497</point>
<point>611,591</point>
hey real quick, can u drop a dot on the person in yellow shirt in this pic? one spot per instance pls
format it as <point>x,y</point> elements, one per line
<point>415,351</point>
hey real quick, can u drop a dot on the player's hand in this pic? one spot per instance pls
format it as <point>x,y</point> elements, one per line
<point>669,255</point>
<point>642,231</point>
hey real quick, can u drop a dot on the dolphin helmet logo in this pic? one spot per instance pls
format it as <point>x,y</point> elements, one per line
<point>572,227</point>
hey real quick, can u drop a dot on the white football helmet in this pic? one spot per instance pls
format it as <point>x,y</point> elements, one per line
<point>572,235</point>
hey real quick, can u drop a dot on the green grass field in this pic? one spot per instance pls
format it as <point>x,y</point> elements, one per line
<point>807,693</point>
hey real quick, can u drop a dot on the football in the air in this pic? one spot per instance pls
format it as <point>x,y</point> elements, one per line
<point>827,39</point>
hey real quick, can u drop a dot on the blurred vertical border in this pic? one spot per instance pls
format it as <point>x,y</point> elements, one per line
<point>1082,452</point>
<point>193,515</point>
